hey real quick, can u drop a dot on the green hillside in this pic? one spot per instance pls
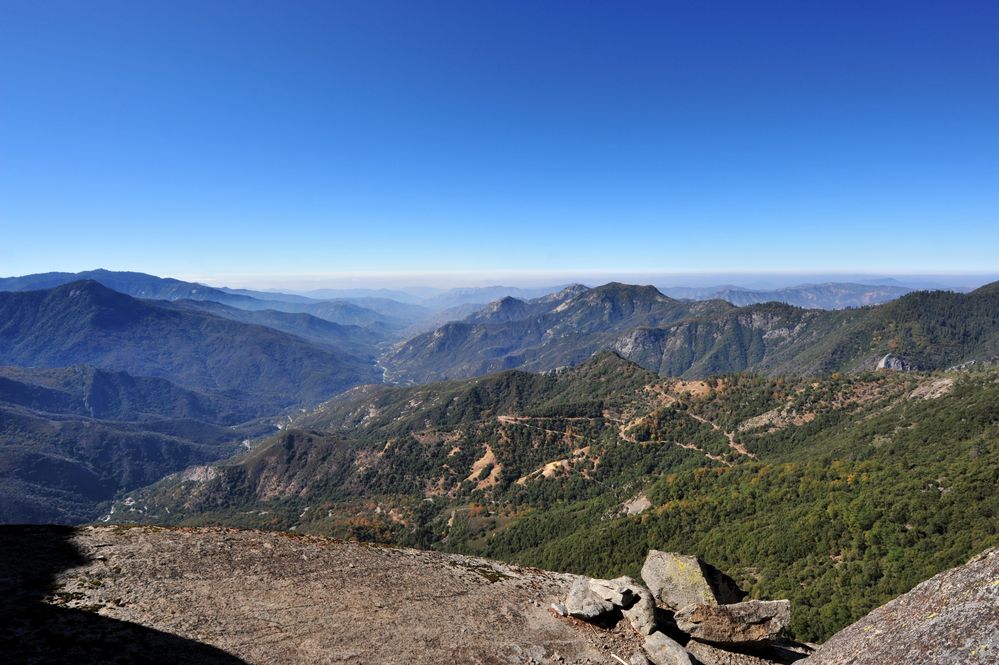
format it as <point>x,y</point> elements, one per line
<point>838,493</point>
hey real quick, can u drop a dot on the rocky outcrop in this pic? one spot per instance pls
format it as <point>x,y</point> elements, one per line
<point>228,597</point>
<point>751,622</point>
<point>679,580</point>
<point>951,618</point>
<point>890,362</point>
<point>582,603</point>
<point>700,633</point>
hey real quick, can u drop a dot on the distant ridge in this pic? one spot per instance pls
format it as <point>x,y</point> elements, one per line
<point>829,295</point>
<point>87,323</point>
<point>141,285</point>
<point>930,330</point>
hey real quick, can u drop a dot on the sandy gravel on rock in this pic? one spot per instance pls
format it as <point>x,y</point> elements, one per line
<point>270,597</point>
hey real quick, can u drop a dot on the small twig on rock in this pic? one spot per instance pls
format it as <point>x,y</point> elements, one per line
<point>619,659</point>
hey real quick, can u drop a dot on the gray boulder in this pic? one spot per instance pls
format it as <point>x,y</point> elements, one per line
<point>751,622</point>
<point>621,591</point>
<point>583,604</point>
<point>678,580</point>
<point>589,599</point>
<point>642,613</point>
<point>662,650</point>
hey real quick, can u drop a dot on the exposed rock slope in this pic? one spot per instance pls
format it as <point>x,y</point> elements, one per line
<point>227,596</point>
<point>223,595</point>
<point>950,618</point>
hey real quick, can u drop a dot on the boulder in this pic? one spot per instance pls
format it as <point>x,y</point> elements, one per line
<point>678,580</point>
<point>712,654</point>
<point>751,622</point>
<point>642,613</point>
<point>590,599</point>
<point>662,650</point>
<point>583,604</point>
<point>950,618</point>
<point>621,591</point>
<point>638,658</point>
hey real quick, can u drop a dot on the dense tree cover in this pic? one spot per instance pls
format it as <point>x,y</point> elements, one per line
<point>857,488</point>
<point>847,519</point>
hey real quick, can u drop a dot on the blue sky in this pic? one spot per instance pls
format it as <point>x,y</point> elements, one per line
<point>292,138</point>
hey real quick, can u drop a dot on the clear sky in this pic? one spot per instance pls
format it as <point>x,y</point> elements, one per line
<point>252,137</point>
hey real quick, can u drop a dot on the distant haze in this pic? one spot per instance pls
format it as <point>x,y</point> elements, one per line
<point>428,283</point>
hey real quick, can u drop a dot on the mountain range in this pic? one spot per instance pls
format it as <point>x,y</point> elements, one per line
<point>830,295</point>
<point>931,330</point>
<point>103,392</point>
<point>576,430</point>
<point>74,438</point>
<point>87,323</point>
<point>382,314</point>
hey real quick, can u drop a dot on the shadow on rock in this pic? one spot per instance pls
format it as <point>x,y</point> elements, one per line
<point>36,631</point>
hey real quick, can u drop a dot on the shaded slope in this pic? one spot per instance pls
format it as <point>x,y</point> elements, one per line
<point>71,439</point>
<point>86,323</point>
<point>353,339</point>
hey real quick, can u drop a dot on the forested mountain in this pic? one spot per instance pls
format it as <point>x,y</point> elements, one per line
<point>541,334</point>
<point>838,493</point>
<point>814,478</point>
<point>110,393</point>
<point>72,438</point>
<point>86,323</point>
<point>928,330</point>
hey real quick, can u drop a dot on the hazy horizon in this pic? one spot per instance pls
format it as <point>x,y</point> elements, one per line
<point>401,282</point>
<point>416,283</point>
